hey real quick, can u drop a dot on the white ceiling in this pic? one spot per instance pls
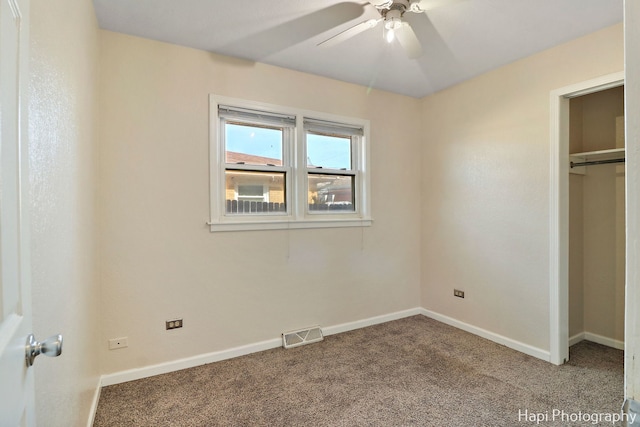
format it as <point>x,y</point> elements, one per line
<point>460,39</point>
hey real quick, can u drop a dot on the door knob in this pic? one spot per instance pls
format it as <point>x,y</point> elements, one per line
<point>51,347</point>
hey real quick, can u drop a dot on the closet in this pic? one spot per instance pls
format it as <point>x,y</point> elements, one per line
<point>597,218</point>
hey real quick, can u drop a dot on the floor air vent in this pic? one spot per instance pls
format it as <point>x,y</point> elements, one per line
<point>301,337</point>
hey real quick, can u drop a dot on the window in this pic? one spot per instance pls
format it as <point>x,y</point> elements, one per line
<point>255,165</point>
<point>274,167</point>
<point>331,174</point>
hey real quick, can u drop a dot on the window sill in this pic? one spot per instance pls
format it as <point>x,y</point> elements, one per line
<point>288,225</point>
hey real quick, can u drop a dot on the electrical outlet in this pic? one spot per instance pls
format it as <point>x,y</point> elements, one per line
<point>458,293</point>
<point>116,343</point>
<point>173,324</point>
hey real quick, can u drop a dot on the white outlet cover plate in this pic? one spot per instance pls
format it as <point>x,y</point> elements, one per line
<point>116,343</point>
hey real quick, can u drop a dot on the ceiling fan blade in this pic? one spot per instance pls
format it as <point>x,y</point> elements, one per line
<point>278,38</point>
<point>409,41</point>
<point>426,5</point>
<point>350,32</point>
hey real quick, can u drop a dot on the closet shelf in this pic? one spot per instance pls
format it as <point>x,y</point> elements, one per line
<point>587,156</point>
<point>578,160</point>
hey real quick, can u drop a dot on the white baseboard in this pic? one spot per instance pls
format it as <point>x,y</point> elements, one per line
<point>598,339</point>
<point>631,412</point>
<point>516,345</point>
<point>94,403</point>
<point>203,359</point>
<point>189,362</point>
<point>576,339</point>
<point>350,326</point>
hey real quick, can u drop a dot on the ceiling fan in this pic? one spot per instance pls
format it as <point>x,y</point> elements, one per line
<point>391,13</point>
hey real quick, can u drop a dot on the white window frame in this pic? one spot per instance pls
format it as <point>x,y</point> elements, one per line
<point>295,168</point>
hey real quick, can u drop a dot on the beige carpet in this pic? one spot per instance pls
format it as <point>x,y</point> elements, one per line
<point>410,372</point>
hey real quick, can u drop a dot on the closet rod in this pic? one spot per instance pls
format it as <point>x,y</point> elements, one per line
<point>596,162</point>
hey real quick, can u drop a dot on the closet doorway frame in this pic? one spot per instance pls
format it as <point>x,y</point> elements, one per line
<point>559,210</point>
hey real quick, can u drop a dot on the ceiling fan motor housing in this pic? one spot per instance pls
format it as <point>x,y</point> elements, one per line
<point>401,5</point>
<point>381,4</point>
<point>392,19</point>
<point>393,16</point>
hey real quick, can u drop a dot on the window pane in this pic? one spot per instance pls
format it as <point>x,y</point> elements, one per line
<point>249,192</point>
<point>329,152</point>
<point>253,145</point>
<point>331,192</point>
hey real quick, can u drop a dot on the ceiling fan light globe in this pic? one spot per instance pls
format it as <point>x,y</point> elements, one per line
<point>392,23</point>
<point>390,35</point>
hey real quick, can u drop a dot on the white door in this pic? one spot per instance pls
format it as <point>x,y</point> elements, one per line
<point>16,380</point>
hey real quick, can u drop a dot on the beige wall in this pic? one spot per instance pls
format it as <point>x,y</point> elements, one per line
<point>485,215</point>
<point>597,219</point>
<point>159,259</point>
<point>484,204</point>
<point>63,169</point>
